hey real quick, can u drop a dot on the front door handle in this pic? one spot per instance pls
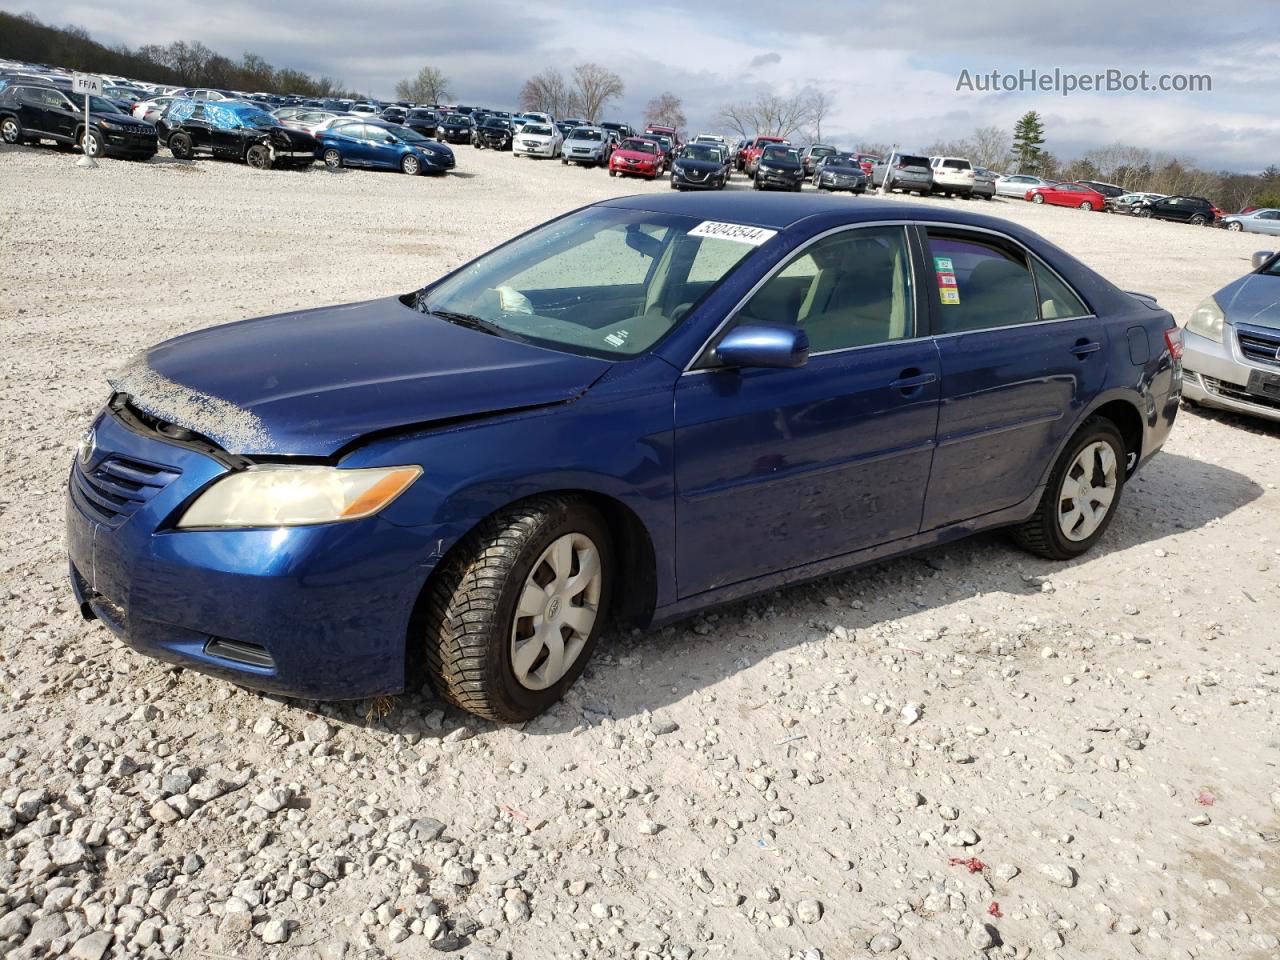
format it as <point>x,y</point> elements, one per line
<point>910,381</point>
<point>1085,347</point>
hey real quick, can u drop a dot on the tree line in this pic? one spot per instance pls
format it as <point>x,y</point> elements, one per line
<point>24,37</point>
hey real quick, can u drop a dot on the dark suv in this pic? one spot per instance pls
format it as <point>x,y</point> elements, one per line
<point>35,111</point>
<point>1193,210</point>
<point>234,130</point>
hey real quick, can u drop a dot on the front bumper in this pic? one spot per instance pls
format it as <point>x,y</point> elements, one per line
<point>772,179</point>
<point>635,170</point>
<point>127,144</point>
<point>1217,375</point>
<point>536,150</point>
<point>320,612</point>
<point>711,181</point>
<point>592,159</point>
<point>852,184</point>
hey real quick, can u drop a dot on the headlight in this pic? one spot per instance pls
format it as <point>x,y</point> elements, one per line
<point>277,495</point>
<point>1207,320</point>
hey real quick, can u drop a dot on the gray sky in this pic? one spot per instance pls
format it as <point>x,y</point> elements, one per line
<point>892,68</point>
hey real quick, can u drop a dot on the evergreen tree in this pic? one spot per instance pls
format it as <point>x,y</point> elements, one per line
<point>1028,135</point>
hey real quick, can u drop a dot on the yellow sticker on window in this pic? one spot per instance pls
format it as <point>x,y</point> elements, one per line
<point>949,294</point>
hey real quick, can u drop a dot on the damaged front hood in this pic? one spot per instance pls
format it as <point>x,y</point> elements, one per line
<point>310,382</point>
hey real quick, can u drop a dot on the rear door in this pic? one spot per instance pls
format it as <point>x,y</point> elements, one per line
<point>31,109</point>
<point>62,116</point>
<point>1021,356</point>
<point>777,468</point>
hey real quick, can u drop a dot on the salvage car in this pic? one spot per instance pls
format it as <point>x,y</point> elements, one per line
<point>233,130</point>
<point>1232,355</point>
<point>1128,202</point>
<point>322,502</point>
<point>493,133</point>
<point>376,144</point>
<point>1196,211</point>
<point>424,121</point>
<point>1068,195</point>
<point>700,166</point>
<point>537,140</point>
<point>587,146</point>
<point>636,157</point>
<point>840,171</point>
<point>32,111</point>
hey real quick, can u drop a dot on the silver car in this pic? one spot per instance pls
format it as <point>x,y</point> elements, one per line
<point>1255,221</point>
<point>586,145</point>
<point>1017,185</point>
<point>1231,344</point>
<point>905,172</point>
<point>984,183</point>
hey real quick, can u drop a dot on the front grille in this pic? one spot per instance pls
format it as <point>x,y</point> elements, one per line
<point>114,489</point>
<point>1234,392</point>
<point>1259,344</point>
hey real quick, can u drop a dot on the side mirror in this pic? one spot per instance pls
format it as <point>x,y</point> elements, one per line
<point>759,345</point>
<point>391,139</point>
<point>1261,257</point>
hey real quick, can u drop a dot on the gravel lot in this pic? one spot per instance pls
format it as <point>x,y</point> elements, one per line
<point>968,752</point>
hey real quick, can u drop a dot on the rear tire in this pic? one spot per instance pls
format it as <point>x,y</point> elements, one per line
<point>506,586</point>
<point>1199,220</point>
<point>333,159</point>
<point>1086,206</point>
<point>1045,532</point>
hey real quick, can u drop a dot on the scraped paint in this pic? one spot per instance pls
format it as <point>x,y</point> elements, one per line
<point>232,427</point>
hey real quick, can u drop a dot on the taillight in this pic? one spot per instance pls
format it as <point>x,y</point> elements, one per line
<point>1173,340</point>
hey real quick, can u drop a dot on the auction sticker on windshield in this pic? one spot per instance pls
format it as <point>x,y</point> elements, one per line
<point>738,232</point>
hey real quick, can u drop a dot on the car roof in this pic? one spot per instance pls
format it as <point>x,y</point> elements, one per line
<point>780,211</point>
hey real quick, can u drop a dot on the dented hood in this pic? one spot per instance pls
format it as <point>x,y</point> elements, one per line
<point>310,382</point>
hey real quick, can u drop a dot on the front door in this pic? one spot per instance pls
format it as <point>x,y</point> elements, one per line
<point>1021,356</point>
<point>776,468</point>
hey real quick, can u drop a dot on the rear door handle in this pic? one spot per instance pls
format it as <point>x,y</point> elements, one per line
<point>909,384</point>
<point>1086,347</point>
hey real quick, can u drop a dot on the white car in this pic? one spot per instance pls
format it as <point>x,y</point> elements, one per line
<point>149,110</point>
<point>1017,185</point>
<point>952,175</point>
<point>711,138</point>
<point>537,140</point>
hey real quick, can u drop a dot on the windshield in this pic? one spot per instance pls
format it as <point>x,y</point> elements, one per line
<point>665,141</point>
<point>422,115</point>
<point>456,118</point>
<point>1272,269</point>
<point>604,281</point>
<point>99,105</point>
<point>257,118</point>
<point>537,130</point>
<point>841,160</point>
<point>700,151</point>
<point>639,146</point>
<point>780,153</point>
<point>584,134</point>
<point>407,134</point>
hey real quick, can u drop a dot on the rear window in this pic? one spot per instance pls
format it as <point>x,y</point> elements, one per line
<point>956,165</point>
<point>909,161</point>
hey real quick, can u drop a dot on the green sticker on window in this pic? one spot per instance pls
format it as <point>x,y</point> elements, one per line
<point>943,265</point>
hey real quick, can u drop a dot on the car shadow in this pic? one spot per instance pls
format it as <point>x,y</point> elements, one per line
<point>637,671</point>
<point>1241,421</point>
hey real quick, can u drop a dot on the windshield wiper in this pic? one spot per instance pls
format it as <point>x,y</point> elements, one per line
<point>472,322</point>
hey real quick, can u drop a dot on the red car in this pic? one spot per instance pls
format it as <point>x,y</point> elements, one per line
<point>1068,195</point>
<point>866,161</point>
<point>638,157</point>
<point>751,156</point>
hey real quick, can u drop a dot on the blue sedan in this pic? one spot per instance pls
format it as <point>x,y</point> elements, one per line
<point>639,410</point>
<point>379,144</point>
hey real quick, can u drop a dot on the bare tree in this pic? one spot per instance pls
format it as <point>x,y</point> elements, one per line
<point>819,105</point>
<point>547,92</point>
<point>990,147</point>
<point>768,115</point>
<point>429,86</point>
<point>594,87</point>
<point>666,110</point>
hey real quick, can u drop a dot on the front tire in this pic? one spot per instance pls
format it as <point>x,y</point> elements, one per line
<point>1234,226</point>
<point>333,159</point>
<point>1081,497</point>
<point>1037,198</point>
<point>180,146</point>
<point>1199,220</point>
<point>10,130</point>
<point>515,610</point>
<point>258,157</point>
<point>410,165</point>
<point>91,144</point>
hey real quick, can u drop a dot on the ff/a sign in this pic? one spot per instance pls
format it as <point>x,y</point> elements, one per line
<point>86,83</point>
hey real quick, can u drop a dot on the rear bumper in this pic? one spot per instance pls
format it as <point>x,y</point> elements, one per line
<point>320,612</point>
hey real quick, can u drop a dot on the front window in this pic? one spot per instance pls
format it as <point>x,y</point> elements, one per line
<point>780,153</point>
<point>605,281</point>
<point>700,151</point>
<point>851,289</point>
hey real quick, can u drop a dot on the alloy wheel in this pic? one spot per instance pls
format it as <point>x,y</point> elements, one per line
<point>410,165</point>
<point>91,143</point>
<point>1234,225</point>
<point>9,130</point>
<point>556,611</point>
<point>1086,205</point>
<point>332,159</point>
<point>1088,489</point>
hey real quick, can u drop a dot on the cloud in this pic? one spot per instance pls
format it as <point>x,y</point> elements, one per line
<point>890,69</point>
